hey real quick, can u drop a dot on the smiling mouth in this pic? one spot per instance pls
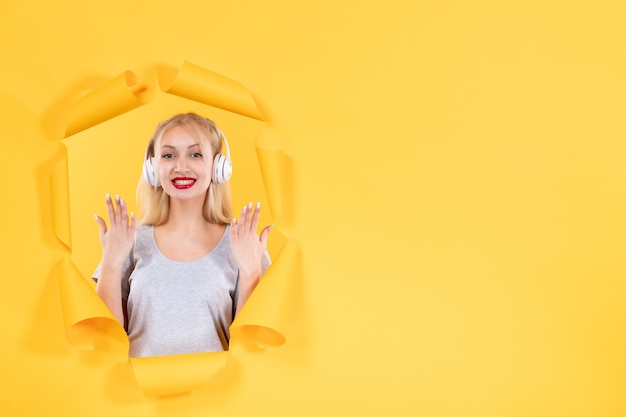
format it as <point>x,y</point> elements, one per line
<point>183,183</point>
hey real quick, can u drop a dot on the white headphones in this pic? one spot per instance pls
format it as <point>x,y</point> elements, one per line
<point>222,167</point>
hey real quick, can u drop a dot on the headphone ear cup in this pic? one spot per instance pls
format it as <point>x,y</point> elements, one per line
<point>149,174</point>
<point>222,169</point>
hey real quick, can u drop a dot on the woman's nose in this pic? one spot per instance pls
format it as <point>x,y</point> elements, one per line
<point>181,165</point>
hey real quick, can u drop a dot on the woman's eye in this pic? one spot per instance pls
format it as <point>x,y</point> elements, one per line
<point>196,155</point>
<point>167,156</point>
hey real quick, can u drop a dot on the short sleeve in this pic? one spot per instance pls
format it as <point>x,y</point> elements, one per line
<point>127,269</point>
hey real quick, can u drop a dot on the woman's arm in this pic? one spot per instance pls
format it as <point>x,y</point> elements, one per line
<point>247,284</point>
<point>248,249</point>
<point>109,288</point>
<point>117,242</point>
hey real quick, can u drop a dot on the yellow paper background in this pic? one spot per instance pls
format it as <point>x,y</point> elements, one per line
<point>457,199</point>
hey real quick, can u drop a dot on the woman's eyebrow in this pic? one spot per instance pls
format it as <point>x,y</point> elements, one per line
<point>173,147</point>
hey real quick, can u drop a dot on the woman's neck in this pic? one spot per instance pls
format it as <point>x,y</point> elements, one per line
<point>185,215</point>
<point>187,235</point>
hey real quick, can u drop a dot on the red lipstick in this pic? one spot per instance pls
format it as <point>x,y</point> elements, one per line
<point>183,183</point>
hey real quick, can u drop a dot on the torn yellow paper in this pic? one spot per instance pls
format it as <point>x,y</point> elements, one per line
<point>120,95</point>
<point>277,178</point>
<point>88,322</point>
<point>59,203</point>
<point>208,87</point>
<point>261,321</point>
<point>176,374</point>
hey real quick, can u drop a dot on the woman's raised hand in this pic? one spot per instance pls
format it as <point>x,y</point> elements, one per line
<point>248,247</point>
<point>117,241</point>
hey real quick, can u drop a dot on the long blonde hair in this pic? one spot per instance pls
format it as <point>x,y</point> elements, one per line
<point>154,203</point>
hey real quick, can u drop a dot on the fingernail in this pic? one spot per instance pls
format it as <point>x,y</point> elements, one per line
<point>117,197</point>
<point>245,208</point>
<point>132,214</point>
<point>234,220</point>
<point>250,205</point>
<point>272,227</point>
<point>95,216</point>
<point>107,196</point>
<point>122,202</point>
<point>258,205</point>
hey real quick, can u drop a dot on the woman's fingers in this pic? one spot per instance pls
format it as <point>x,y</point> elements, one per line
<point>102,226</point>
<point>264,235</point>
<point>243,223</point>
<point>123,214</point>
<point>233,228</point>
<point>133,221</point>
<point>110,209</point>
<point>118,210</point>
<point>249,219</point>
<point>118,214</point>
<point>246,227</point>
<point>255,217</point>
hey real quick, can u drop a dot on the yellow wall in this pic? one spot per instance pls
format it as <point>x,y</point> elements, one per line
<point>458,200</point>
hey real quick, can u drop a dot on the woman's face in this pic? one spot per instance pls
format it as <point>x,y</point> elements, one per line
<point>184,165</point>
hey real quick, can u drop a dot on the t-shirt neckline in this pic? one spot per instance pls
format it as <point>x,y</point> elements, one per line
<point>206,255</point>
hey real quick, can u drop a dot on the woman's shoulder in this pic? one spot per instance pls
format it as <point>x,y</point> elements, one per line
<point>144,229</point>
<point>222,248</point>
<point>144,233</point>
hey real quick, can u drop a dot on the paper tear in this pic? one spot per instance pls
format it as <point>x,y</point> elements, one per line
<point>208,87</point>
<point>276,176</point>
<point>90,325</point>
<point>262,322</point>
<point>176,374</point>
<point>118,96</point>
<point>88,321</point>
<point>60,203</point>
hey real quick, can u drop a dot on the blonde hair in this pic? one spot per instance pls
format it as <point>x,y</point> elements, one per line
<point>154,203</point>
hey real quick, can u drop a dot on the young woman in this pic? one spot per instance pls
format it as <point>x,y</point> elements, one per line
<point>176,280</point>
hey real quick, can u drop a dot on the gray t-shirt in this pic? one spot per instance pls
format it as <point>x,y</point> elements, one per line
<point>179,307</point>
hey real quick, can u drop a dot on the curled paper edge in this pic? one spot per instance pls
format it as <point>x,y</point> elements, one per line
<point>88,321</point>
<point>60,203</point>
<point>277,175</point>
<point>204,86</point>
<point>118,96</point>
<point>176,374</point>
<point>262,323</point>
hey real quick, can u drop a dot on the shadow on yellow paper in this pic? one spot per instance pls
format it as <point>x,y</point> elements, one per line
<point>105,136</point>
